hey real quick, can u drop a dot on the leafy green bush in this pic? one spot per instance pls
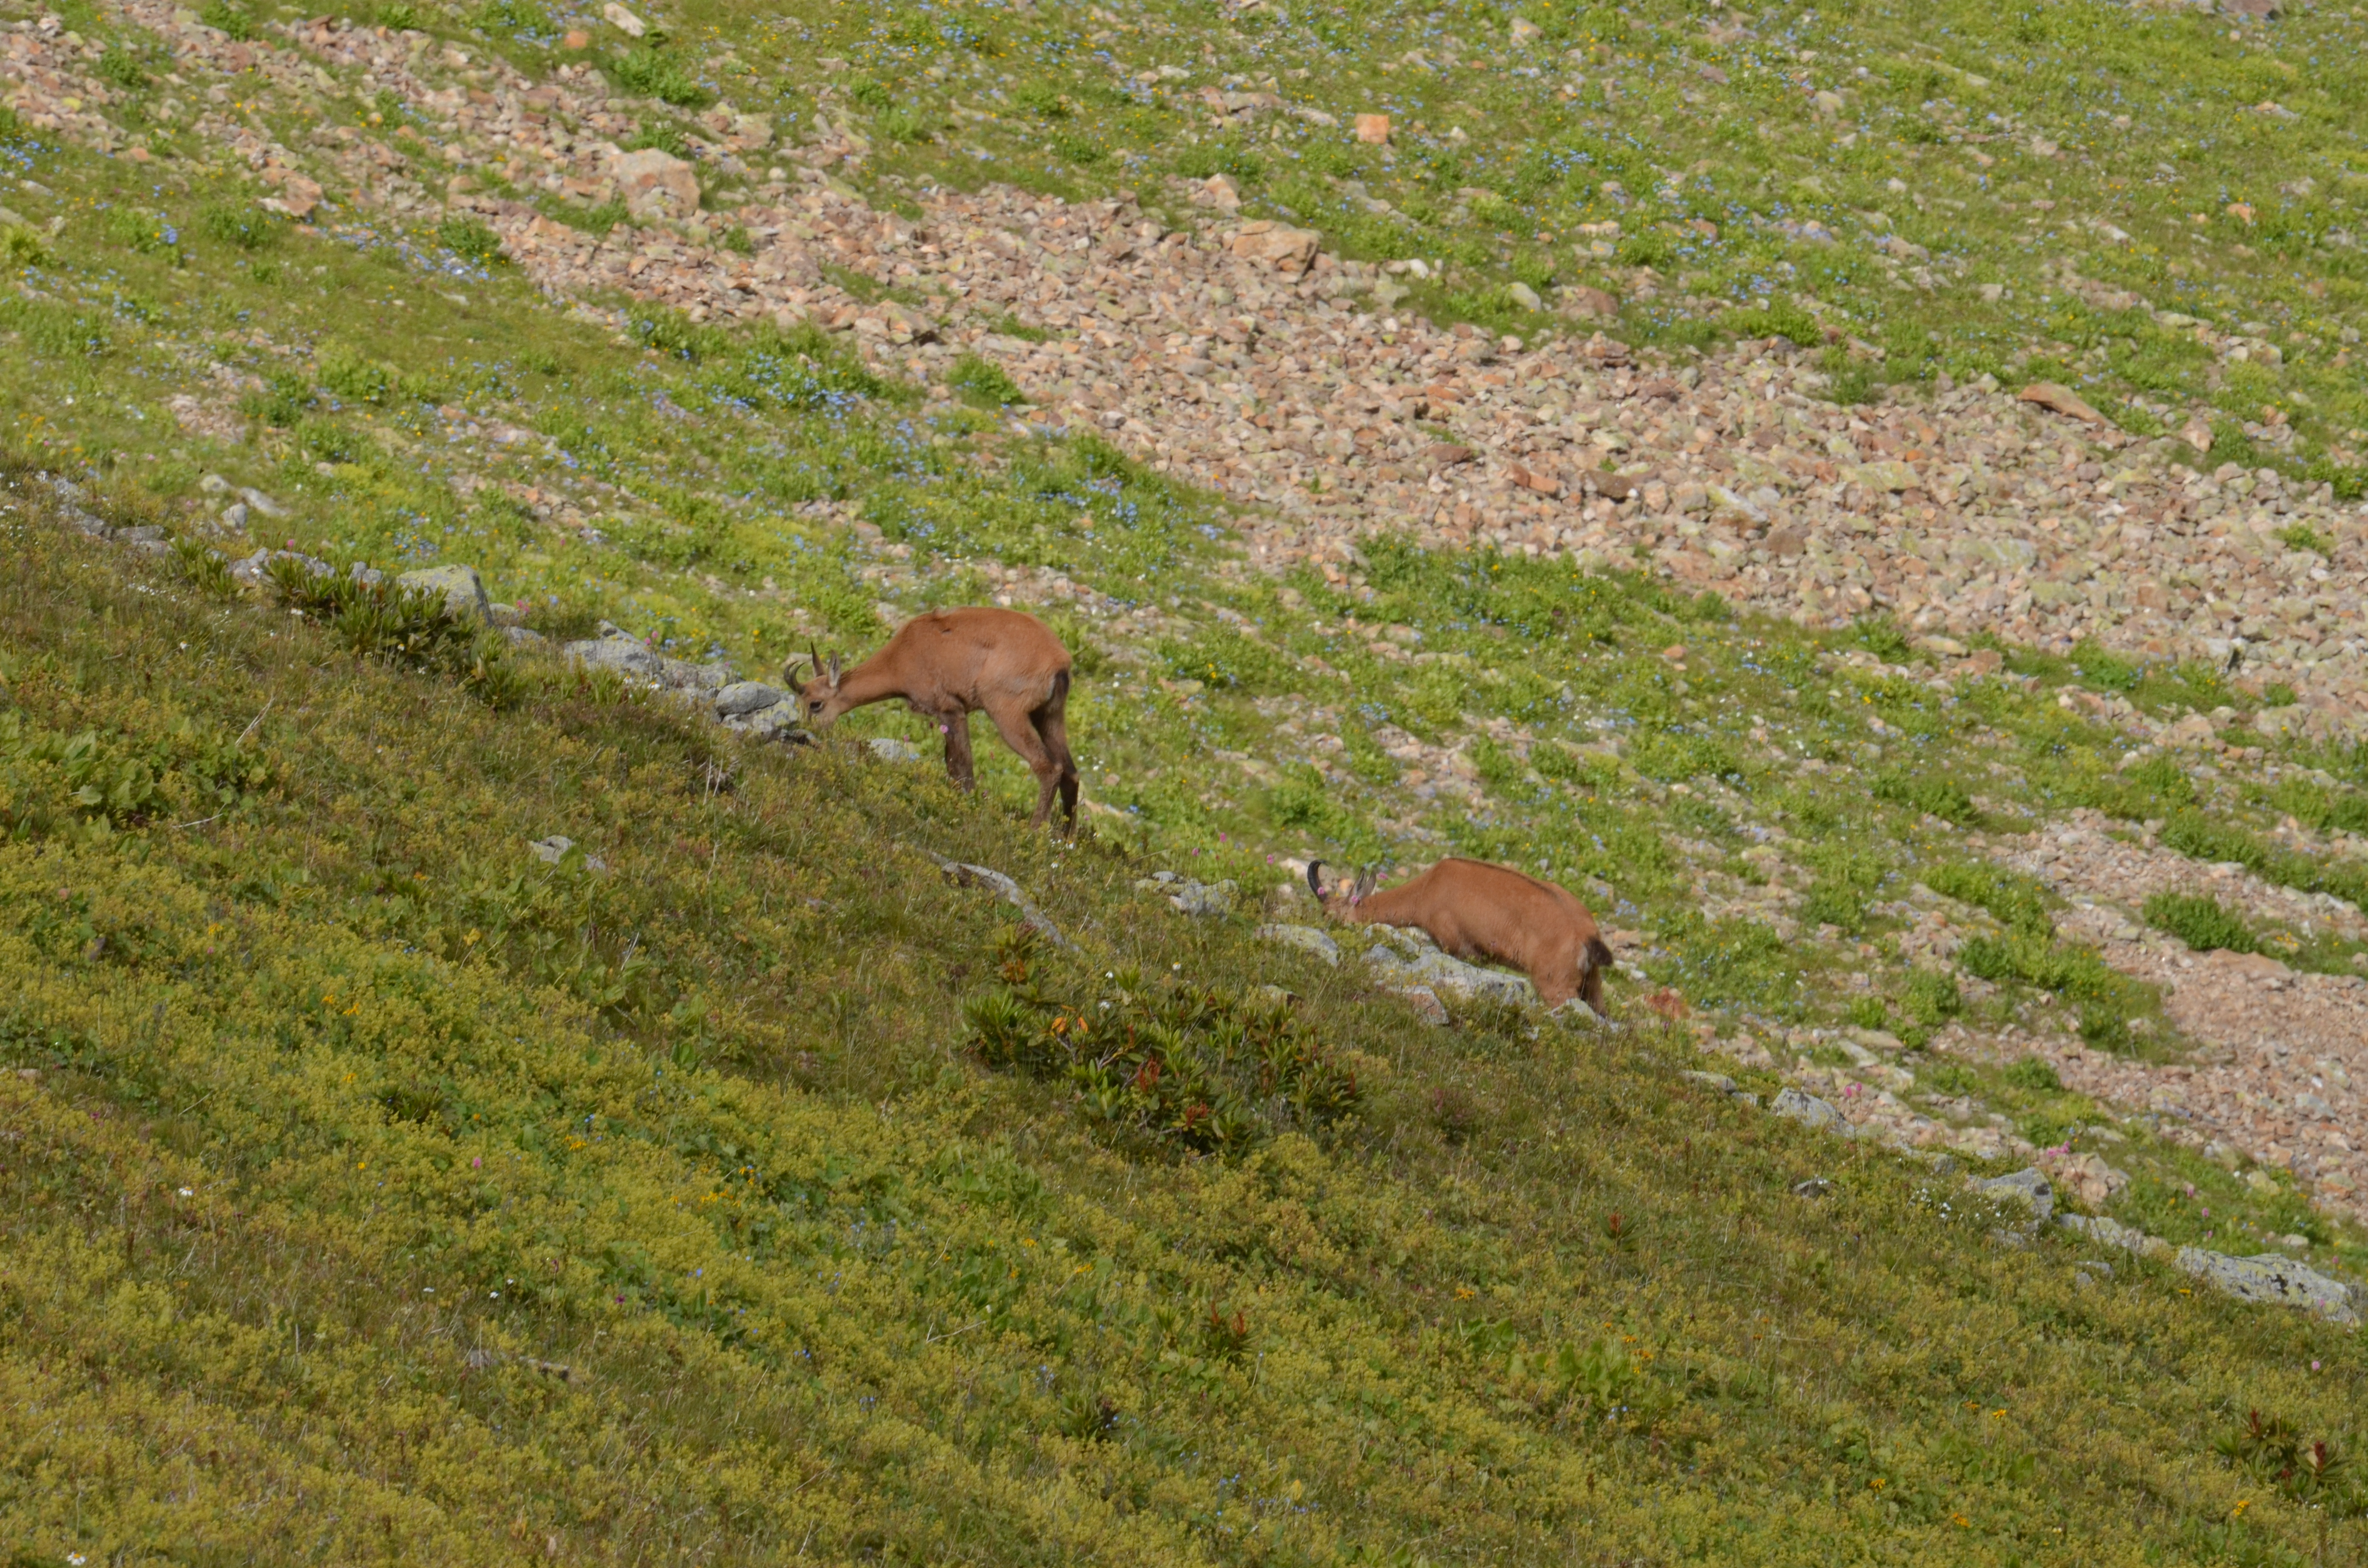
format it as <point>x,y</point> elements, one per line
<point>232,21</point>
<point>654,74</point>
<point>1777,318</point>
<point>2034,1074</point>
<point>350,375</point>
<point>1941,798</point>
<point>2017,902</point>
<point>121,68</point>
<point>663,135</point>
<point>409,628</point>
<point>248,228</point>
<point>2302,536</point>
<point>1199,1068</point>
<point>2104,669</point>
<point>1223,657</point>
<point>1883,637</point>
<point>1931,998</point>
<point>983,382</point>
<point>471,239</point>
<point>2200,921</point>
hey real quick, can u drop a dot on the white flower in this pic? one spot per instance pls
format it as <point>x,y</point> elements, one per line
<point>189,1192</point>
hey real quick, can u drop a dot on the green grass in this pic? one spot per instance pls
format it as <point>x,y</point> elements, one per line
<point>701,1126</point>
<point>842,1269</point>
<point>2199,921</point>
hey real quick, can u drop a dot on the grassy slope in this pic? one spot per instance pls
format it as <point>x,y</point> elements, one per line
<point>736,1064</point>
<point>314,1162</point>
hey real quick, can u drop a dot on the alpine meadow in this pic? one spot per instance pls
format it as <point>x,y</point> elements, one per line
<point>518,1046</point>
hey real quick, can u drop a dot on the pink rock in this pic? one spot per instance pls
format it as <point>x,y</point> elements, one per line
<point>656,184</point>
<point>1374,128</point>
<point>1286,249</point>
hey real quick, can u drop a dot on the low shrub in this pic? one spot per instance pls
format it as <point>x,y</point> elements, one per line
<point>2200,921</point>
<point>1199,1068</point>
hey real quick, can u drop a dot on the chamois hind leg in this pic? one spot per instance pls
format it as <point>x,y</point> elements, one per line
<point>1020,735</point>
<point>1052,728</point>
<point>1592,962</point>
<point>955,722</point>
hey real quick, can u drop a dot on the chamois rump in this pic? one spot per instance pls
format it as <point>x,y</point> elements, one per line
<point>949,663</point>
<point>1474,909</point>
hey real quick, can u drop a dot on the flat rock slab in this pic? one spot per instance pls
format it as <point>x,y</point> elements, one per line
<point>1306,939</point>
<point>462,591</point>
<point>1810,1112</point>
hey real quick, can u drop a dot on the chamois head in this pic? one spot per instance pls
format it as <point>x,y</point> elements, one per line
<point>815,694</point>
<point>1340,897</point>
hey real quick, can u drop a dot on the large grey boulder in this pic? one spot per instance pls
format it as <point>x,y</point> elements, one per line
<point>1405,960</point>
<point>1306,939</point>
<point>462,591</point>
<point>2027,1187</point>
<point>2268,1277</point>
<point>626,656</point>
<point>1810,1112</point>
<point>743,698</point>
<point>1207,900</point>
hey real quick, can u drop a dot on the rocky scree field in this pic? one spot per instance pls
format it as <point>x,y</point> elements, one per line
<point>1895,554</point>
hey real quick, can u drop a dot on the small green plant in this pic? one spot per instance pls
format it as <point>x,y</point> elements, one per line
<point>664,135</point>
<point>282,402</point>
<point>983,382</point>
<point>325,440</point>
<point>2017,902</point>
<point>1008,325</point>
<point>204,568</point>
<point>2034,1074</point>
<point>1777,318</point>
<point>1039,98</point>
<point>1867,1012</point>
<point>2200,921</point>
<point>471,239</point>
<point>247,228</point>
<point>350,376</point>
<point>398,17</point>
<point>21,246</point>
<point>1883,637</point>
<point>229,20</point>
<point>404,627</point>
<point>2278,694</point>
<point>119,67</point>
<point>598,218</point>
<point>736,240</point>
<point>653,73</point>
<point>1201,1069</point>
<point>510,17</point>
<point>1941,798</point>
<point>2106,671</point>
<point>139,232</point>
<point>1931,998</point>
<point>2302,536</point>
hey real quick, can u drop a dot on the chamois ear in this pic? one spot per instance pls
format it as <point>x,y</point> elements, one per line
<point>833,669</point>
<point>1365,885</point>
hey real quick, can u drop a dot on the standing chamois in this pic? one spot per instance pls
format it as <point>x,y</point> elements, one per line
<point>949,663</point>
<point>1474,909</point>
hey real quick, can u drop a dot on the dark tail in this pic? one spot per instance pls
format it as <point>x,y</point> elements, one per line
<point>1592,963</point>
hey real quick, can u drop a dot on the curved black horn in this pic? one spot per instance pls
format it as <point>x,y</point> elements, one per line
<point>1314,885</point>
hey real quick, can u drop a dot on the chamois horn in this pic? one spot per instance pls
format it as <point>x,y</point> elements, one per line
<point>1314,884</point>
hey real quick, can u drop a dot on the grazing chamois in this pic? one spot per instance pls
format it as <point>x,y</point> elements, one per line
<point>949,664</point>
<point>1474,909</point>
